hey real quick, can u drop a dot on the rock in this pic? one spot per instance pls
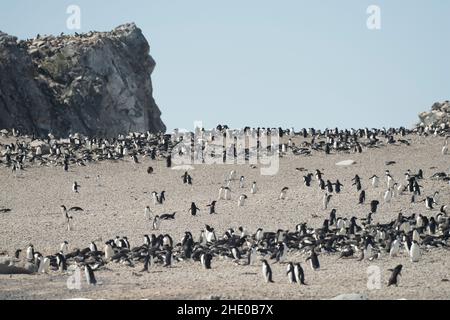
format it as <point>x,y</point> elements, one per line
<point>346,163</point>
<point>95,84</point>
<point>351,296</point>
<point>438,117</point>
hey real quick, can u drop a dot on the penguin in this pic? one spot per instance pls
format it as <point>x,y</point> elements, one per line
<point>93,247</point>
<point>393,280</point>
<point>185,177</point>
<point>109,252</point>
<point>253,189</point>
<point>332,219</point>
<point>156,222</point>
<point>387,196</point>
<point>241,200</point>
<point>251,255</point>
<point>150,170</point>
<point>148,262</point>
<point>314,260</point>
<point>168,259</point>
<point>395,248</point>
<point>155,197</point>
<point>44,265</point>
<point>189,180</point>
<point>212,207</point>
<point>206,260</point>
<point>61,262</point>
<point>90,277</point>
<point>291,273</point>
<point>147,213</point>
<point>162,197</point>
<point>414,252</point>
<point>241,182</point>
<point>64,247</point>
<point>374,206</point>
<point>375,181</point>
<point>259,236</point>
<point>221,193</point>
<point>326,200</point>
<point>283,193</point>
<point>193,210</point>
<point>30,253</point>
<point>429,203</point>
<point>362,197</point>
<point>227,193</point>
<point>267,272</point>
<point>75,187</point>
<point>307,180</point>
<point>299,274</point>
<point>329,186</point>
<point>337,186</point>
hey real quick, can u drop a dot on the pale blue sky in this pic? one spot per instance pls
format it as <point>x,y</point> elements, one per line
<point>271,63</point>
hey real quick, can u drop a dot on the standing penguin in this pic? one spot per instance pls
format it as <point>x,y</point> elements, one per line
<point>90,277</point>
<point>147,213</point>
<point>254,189</point>
<point>206,260</point>
<point>393,280</point>
<point>291,273</point>
<point>414,252</point>
<point>314,260</point>
<point>109,252</point>
<point>266,271</point>
<point>75,187</point>
<point>241,182</point>
<point>212,207</point>
<point>362,197</point>
<point>337,186</point>
<point>193,210</point>
<point>375,181</point>
<point>156,222</point>
<point>326,200</point>
<point>241,200</point>
<point>299,274</point>
<point>374,206</point>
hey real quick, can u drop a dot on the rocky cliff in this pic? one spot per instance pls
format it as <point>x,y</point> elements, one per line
<point>438,117</point>
<point>96,84</point>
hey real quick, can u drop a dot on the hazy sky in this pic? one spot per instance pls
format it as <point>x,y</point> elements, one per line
<point>274,63</point>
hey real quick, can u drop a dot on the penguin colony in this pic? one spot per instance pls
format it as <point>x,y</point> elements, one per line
<point>345,237</point>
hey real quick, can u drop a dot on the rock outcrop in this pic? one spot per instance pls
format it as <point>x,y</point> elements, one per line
<point>96,83</point>
<point>438,117</point>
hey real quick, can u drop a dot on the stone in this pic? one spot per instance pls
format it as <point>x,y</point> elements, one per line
<point>346,163</point>
<point>95,84</point>
<point>351,296</point>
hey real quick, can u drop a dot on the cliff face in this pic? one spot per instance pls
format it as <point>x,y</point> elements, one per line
<point>94,83</point>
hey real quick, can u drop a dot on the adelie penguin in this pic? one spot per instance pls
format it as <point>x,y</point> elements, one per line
<point>241,200</point>
<point>193,210</point>
<point>283,193</point>
<point>396,272</point>
<point>75,187</point>
<point>212,207</point>
<point>314,260</point>
<point>375,181</point>
<point>362,197</point>
<point>291,273</point>
<point>299,274</point>
<point>253,189</point>
<point>267,272</point>
<point>374,206</point>
<point>206,259</point>
<point>90,277</point>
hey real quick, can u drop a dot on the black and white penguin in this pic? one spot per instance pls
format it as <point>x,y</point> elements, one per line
<point>393,280</point>
<point>241,200</point>
<point>375,180</point>
<point>212,207</point>
<point>266,271</point>
<point>291,273</point>
<point>75,187</point>
<point>193,209</point>
<point>253,189</point>
<point>299,274</point>
<point>362,197</point>
<point>326,200</point>
<point>148,262</point>
<point>90,277</point>
<point>337,186</point>
<point>283,193</point>
<point>374,206</point>
<point>206,259</point>
<point>156,222</point>
<point>314,260</point>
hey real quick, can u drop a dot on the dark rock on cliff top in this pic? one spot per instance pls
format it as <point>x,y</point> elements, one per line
<point>96,84</point>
